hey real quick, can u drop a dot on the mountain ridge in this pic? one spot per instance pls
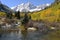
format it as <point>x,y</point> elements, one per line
<point>25,7</point>
<point>50,14</point>
<point>4,8</point>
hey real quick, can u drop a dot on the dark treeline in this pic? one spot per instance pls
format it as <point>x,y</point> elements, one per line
<point>25,19</point>
<point>17,14</point>
<point>9,15</point>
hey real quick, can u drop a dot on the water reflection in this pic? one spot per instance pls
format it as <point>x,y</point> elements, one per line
<point>21,35</point>
<point>0,34</point>
<point>24,34</point>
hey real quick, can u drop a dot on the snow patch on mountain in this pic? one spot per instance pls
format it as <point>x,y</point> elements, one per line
<point>25,7</point>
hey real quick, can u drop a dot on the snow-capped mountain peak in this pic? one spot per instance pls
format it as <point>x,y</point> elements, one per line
<point>25,7</point>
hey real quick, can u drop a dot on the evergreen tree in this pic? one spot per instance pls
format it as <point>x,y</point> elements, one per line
<point>30,17</point>
<point>26,19</point>
<point>17,14</point>
<point>9,15</point>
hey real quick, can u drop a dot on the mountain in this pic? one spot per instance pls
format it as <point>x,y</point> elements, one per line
<point>50,14</point>
<point>25,7</point>
<point>4,8</point>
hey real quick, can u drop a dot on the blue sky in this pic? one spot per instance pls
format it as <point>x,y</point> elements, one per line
<point>11,3</point>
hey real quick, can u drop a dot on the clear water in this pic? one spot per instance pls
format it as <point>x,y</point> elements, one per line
<point>21,36</point>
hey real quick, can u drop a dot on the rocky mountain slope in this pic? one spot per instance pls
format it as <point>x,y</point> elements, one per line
<point>4,8</point>
<point>25,7</point>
